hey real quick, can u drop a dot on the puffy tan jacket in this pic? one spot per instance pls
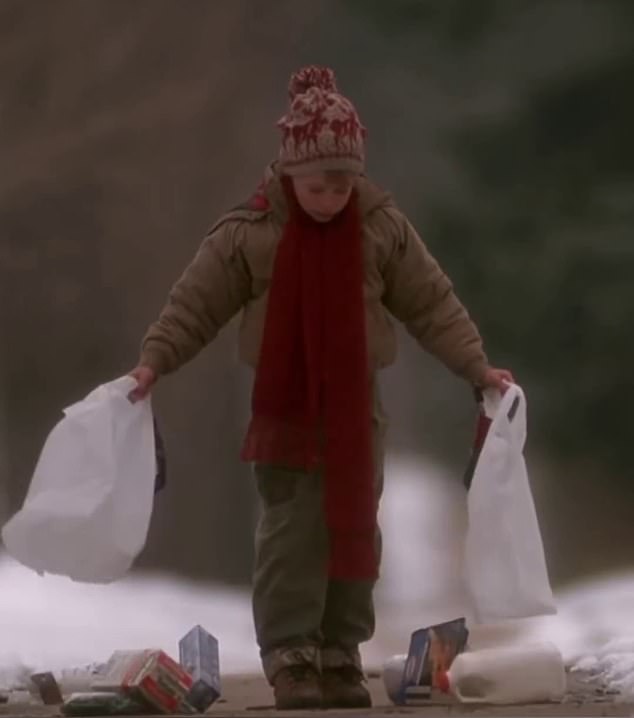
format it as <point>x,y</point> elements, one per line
<point>232,270</point>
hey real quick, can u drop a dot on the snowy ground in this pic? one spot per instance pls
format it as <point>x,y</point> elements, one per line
<point>51,623</point>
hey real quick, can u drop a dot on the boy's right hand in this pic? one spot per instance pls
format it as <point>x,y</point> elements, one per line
<point>146,378</point>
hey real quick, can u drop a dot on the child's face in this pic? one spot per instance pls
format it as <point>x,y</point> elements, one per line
<point>324,194</point>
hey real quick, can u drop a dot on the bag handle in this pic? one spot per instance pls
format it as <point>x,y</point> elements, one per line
<point>509,408</point>
<point>123,385</point>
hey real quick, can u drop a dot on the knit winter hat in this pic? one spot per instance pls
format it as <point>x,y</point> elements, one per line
<point>321,130</point>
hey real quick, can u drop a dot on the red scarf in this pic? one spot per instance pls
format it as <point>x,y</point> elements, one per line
<point>311,398</point>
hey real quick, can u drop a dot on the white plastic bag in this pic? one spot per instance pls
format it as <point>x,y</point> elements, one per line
<point>88,508</point>
<point>505,568</point>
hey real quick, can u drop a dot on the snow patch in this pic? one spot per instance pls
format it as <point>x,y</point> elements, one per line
<point>51,623</point>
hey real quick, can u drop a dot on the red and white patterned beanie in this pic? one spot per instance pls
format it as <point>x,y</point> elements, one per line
<point>321,130</point>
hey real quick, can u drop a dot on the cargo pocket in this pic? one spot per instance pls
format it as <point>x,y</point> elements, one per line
<point>276,486</point>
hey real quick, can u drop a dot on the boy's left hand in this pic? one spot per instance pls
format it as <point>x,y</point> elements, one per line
<point>497,379</point>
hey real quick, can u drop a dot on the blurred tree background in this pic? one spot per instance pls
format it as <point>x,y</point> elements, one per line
<point>503,128</point>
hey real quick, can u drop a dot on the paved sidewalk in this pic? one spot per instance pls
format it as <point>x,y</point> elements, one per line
<point>248,696</point>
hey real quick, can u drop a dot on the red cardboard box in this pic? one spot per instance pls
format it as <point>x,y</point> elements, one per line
<point>151,676</point>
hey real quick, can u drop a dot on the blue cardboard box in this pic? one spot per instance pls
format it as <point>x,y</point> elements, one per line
<point>431,651</point>
<point>198,652</point>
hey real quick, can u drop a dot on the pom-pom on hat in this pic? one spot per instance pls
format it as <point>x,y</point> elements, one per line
<point>321,130</point>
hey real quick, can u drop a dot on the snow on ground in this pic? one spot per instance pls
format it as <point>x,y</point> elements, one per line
<point>51,623</point>
<point>424,519</point>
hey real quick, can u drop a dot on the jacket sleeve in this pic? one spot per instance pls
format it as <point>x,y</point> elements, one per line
<point>419,294</point>
<point>212,289</point>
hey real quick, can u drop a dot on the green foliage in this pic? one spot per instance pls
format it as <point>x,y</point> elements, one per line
<point>552,224</point>
<point>457,21</point>
<point>540,240</point>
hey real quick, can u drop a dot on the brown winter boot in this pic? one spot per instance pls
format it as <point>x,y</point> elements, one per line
<point>297,687</point>
<point>343,688</point>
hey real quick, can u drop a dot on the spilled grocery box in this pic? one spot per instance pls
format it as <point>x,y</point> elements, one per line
<point>150,681</point>
<point>410,679</point>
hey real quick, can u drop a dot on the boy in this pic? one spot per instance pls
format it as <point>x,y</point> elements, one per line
<point>316,260</point>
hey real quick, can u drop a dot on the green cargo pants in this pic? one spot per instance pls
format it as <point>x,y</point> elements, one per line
<point>302,616</point>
